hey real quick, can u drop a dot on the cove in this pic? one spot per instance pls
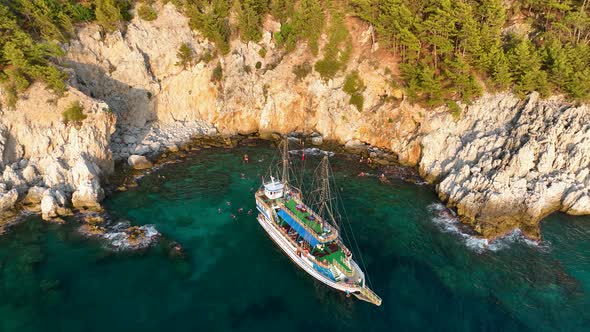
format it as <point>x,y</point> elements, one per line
<point>233,278</point>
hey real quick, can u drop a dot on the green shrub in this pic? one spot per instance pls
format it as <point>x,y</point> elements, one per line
<point>301,71</point>
<point>258,65</point>
<point>262,52</point>
<point>147,12</point>
<point>353,83</point>
<point>286,37</point>
<point>327,68</point>
<point>207,56</point>
<point>185,55</point>
<point>357,100</point>
<point>354,87</point>
<point>337,50</point>
<point>74,113</point>
<point>111,13</point>
<point>217,73</point>
<point>454,109</point>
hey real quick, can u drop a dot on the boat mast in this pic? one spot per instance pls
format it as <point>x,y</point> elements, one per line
<point>285,155</point>
<point>324,188</point>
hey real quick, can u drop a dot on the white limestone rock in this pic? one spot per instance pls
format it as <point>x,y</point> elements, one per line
<point>88,193</point>
<point>8,200</point>
<point>139,162</point>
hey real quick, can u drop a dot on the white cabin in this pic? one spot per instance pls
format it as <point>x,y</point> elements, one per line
<point>274,189</point>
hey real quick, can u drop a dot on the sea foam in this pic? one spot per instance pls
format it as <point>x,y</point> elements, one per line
<point>448,221</point>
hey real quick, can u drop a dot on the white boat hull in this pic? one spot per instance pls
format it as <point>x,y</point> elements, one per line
<point>301,261</point>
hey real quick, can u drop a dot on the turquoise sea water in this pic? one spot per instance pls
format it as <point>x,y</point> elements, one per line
<point>233,278</point>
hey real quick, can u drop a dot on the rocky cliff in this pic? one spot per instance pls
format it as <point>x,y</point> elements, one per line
<point>48,162</point>
<point>504,163</point>
<point>508,163</point>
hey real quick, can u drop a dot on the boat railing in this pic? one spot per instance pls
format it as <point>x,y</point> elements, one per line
<point>347,270</point>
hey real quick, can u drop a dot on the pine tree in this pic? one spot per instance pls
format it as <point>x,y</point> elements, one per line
<point>108,15</point>
<point>309,22</point>
<point>526,68</point>
<point>250,13</point>
<point>500,69</point>
<point>281,9</point>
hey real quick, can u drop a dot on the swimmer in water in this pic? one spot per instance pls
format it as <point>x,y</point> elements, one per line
<point>240,210</point>
<point>361,174</point>
<point>242,175</point>
<point>233,216</point>
<point>250,212</point>
<point>228,203</point>
<point>219,211</point>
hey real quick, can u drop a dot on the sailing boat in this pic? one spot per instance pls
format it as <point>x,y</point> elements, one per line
<point>310,237</point>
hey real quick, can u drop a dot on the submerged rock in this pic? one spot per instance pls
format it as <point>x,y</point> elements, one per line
<point>126,237</point>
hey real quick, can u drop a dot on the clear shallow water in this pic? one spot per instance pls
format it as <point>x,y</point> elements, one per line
<point>234,278</point>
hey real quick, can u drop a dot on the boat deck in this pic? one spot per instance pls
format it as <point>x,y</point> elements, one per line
<point>304,216</point>
<point>334,255</point>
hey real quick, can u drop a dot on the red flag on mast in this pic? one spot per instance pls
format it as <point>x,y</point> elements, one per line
<point>303,152</point>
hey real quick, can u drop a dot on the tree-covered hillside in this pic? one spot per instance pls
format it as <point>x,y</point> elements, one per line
<point>447,50</point>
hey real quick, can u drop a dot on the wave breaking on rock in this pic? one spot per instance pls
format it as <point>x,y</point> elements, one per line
<point>448,221</point>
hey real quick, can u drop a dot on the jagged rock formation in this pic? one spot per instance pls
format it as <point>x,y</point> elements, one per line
<point>47,161</point>
<point>508,163</point>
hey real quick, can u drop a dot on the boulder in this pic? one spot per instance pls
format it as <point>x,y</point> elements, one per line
<point>139,162</point>
<point>15,180</point>
<point>30,174</point>
<point>34,195</point>
<point>8,199</point>
<point>129,139</point>
<point>88,192</point>
<point>141,150</point>
<point>49,205</point>
<point>317,140</point>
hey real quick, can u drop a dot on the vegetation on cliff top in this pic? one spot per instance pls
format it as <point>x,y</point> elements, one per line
<point>30,31</point>
<point>447,50</point>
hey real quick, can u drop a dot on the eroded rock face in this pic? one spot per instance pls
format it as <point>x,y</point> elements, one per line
<point>136,74</point>
<point>508,163</point>
<point>40,151</point>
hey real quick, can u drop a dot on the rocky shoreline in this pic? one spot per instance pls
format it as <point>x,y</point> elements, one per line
<point>502,163</point>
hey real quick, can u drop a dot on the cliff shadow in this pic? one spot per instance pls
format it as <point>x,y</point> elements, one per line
<point>133,106</point>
